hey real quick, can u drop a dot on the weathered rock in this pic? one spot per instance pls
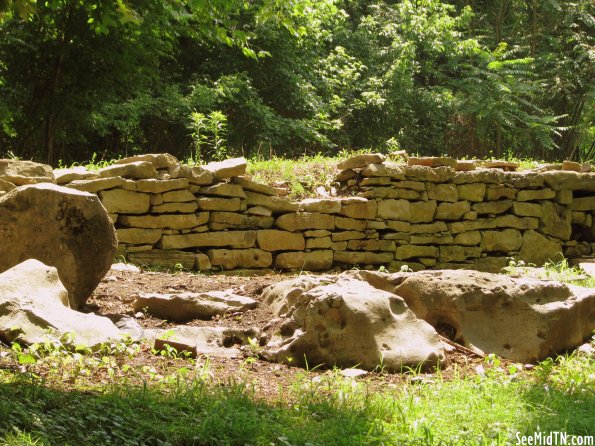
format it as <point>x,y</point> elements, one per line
<point>231,239</point>
<point>135,170</point>
<point>488,176</point>
<point>20,172</point>
<point>240,258</point>
<point>186,306</point>
<point>363,257</point>
<point>194,174</point>
<point>170,221</point>
<point>386,169</point>
<point>322,205</point>
<point>422,211</point>
<point>138,236</point>
<point>120,201</point>
<point>159,160</point>
<point>434,175</point>
<point>178,196</point>
<point>504,241</point>
<point>355,207</point>
<point>432,161</point>
<point>158,186</point>
<point>276,204</point>
<point>527,209</point>
<point>73,173</point>
<point>229,168</point>
<point>458,253</point>
<point>394,210</point>
<point>468,238</point>
<point>452,211</point>
<point>219,204</point>
<point>318,260</point>
<point>76,235</point>
<point>231,220</point>
<point>224,190</point>
<point>6,186</point>
<point>540,194</point>
<point>95,185</point>
<point>492,207</point>
<point>539,249</point>
<point>347,235</point>
<point>570,180</point>
<point>319,243</point>
<point>519,319</point>
<point>305,220</point>
<point>348,323</point>
<point>361,160</point>
<point>259,210</point>
<point>171,208</point>
<point>583,204</point>
<point>34,307</point>
<point>371,245</point>
<point>411,251</point>
<point>164,258</point>
<point>349,224</point>
<point>443,192</point>
<point>247,184</point>
<point>275,240</point>
<point>556,220</point>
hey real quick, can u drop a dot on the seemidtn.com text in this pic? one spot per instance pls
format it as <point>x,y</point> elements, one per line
<point>554,438</point>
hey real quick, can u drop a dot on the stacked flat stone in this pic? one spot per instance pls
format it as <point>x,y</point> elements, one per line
<point>433,212</point>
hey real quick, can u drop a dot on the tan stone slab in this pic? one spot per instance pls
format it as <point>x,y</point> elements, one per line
<point>223,190</point>
<point>418,186</point>
<point>564,196</point>
<point>239,258</point>
<point>319,243</point>
<point>527,209</point>
<point>232,239</point>
<point>500,164</point>
<point>371,245</point>
<point>276,204</point>
<point>319,260</point>
<point>429,174</point>
<point>260,210</point>
<point>305,220</point>
<point>159,160</point>
<point>6,186</point>
<point>570,180</point>
<point>349,224</point>
<point>556,220</point>
<point>442,192</point>
<point>219,204</point>
<point>390,193</point>
<point>137,236</point>
<point>405,252</point>
<point>465,165</point>
<point>178,196</point>
<point>503,221</point>
<point>431,239</point>
<point>120,201</point>
<point>96,185</point>
<point>19,172</point>
<point>170,221</point>
<point>488,176</point>
<point>472,191</point>
<point>347,235</point>
<point>503,241</point>
<point>394,210</point>
<point>468,238</point>
<point>322,205</point>
<point>454,253</point>
<point>135,170</point>
<point>157,186</point>
<point>532,195</point>
<point>170,208</point>
<point>524,180</point>
<point>452,211</point>
<point>275,240</point>
<point>375,181</point>
<point>317,233</point>
<point>363,257</point>
<point>232,220</point>
<point>247,184</point>
<point>492,207</point>
<point>494,193</point>
<point>362,208</point>
<point>583,204</point>
<point>386,169</point>
<point>229,168</point>
<point>422,211</point>
<point>361,160</point>
<point>432,161</point>
<point>195,175</point>
<point>428,228</point>
<point>64,176</point>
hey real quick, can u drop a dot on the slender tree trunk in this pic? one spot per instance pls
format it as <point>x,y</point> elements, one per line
<point>500,15</point>
<point>498,140</point>
<point>534,30</point>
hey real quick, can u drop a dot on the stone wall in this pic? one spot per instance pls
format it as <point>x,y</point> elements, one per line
<point>424,213</point>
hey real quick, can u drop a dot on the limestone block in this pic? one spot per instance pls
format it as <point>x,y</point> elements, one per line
<point>347,235</point>
<point>442,192</point>
<point>157,186</point>
<point>20,172</point>
<point>390,193</point>
<point>432,161</point>
<point>202,262</point>
<point>156,199</point>
<point>219,204</point>
<point>359,208</point>
<point>375,181</point>
<point>275,240</point>
<point>399,226</point>
<point>465,165</point>
<point>96,185</point>
<point>472,191</point>
<point>471,215</point>
<point>159,160</point>
<point>363,257</point>
<point>322,205</point>
<point>583,204</point>
<point>345,175</point>
<point>507,240</point>
<point>558,180</point>
<point>64,176</point>
<point>319,260</point>
<point>492,207</point>
<point>259,210</point>
<point>556,220</point>
<point>394,210</point>
<point>135,170</point>
<point>224,190</point>
<point>349,224</point>
<point>361,160</point>
<point>431,239</point>
<point>120,201</point>
<point>375,225</point>
<point>502,221</point>
<point>195,175</point>
<point>433,175</point>
<point>137,236</point>
<point>422,211</point>
<point>454,253</point>
<point>524,180</point>
<point>319,243</point>
<point>532,195</point>
<point>178,196</point>
<point>305,220</point>
<point>404,252</point>
<point>524,209</point>
<point>452,211</point>
<point>564,196</point>
<point>231,220</point>
<point>247,184</point>
<point>428,228</point>
<point>240,258</point>
<point>231,239</point>
<point>402,236</point>
<point>170,221</point>
<point>232,167</point>
<point>572,166</point>
<point>490,264</point>
<point>339,246</point>
<point>317,233</point>
<point>170,208</point>
<point>488,176</point>
<point>163,258</point>
<point>276,204</point>
<point>386,169</point>
<point>468,238</point>
<point>499,192</point>
<point>371,245</point>
<point>539,249</point>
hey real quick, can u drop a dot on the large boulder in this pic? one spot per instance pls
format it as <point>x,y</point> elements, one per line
<point>521,319</point>
<point>34,308</point>
<point>25,172</point>
<point>345,322</point>
<point>61,227</point>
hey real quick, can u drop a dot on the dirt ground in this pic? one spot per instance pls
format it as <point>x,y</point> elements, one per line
<point>118,290</point>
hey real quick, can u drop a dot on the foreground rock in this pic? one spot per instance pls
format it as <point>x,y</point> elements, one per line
<point>521,319</point>
<point>344,322</point>
<point>34,308</point>
<point>186,306</point>
<point>25,172</point>
<point>61,227</point>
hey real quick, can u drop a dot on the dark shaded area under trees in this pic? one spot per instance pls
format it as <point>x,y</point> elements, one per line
<point>471,78</point>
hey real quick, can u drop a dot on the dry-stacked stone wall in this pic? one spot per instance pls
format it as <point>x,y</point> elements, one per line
<point>424,213</point>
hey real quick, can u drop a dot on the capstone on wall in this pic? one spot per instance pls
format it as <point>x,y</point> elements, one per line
<point>424,213</point>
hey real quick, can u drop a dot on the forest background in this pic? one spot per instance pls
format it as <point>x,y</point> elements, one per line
<point>207,79</point>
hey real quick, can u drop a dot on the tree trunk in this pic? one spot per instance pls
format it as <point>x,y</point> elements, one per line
<point>534,30</point>
<point>498,140</point>
<point>503,4</point>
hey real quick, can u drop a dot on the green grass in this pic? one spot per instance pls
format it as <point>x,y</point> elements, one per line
<point>186,408</point>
